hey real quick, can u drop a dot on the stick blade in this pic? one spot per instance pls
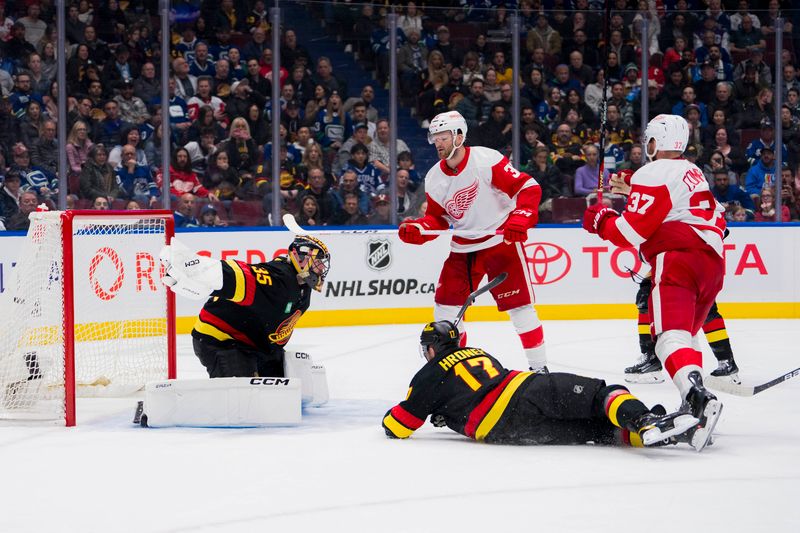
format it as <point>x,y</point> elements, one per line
<point>724,385</point>
<point>292,225</point>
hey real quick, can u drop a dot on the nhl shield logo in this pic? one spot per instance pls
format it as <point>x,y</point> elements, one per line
<point>379,255</point>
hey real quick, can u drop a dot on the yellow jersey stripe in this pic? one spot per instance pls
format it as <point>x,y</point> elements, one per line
<point>399,430</point>
<point>211,331</point>
<point>644,329</point>
<point>716,336</point>
<point>494,414</point>
<point>239,292</point>
<point>636,440</point>
<point>615,403</point>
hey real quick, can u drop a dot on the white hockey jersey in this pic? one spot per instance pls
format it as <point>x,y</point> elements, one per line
<point>477,195</point>
<point>669,203</point>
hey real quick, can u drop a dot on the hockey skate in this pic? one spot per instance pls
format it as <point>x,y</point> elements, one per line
<point>704,406</point>
<point>661,429</point>
<point>727,371</point>
<point>646,370</point>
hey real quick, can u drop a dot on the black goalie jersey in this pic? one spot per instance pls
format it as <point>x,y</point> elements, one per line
<point>468,387</point>
<point>258,305</point>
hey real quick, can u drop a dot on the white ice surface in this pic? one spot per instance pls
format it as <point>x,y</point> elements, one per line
<point>337,472</point>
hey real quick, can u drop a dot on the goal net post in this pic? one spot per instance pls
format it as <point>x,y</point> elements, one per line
<point>85,312</point>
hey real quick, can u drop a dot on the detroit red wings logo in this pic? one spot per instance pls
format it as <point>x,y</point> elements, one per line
<point>461,201</point>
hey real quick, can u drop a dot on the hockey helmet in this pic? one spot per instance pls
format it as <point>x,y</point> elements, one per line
<point>441,336</point>
<point>312,260</point>
<point>451,121</point>
<point>670,132</point>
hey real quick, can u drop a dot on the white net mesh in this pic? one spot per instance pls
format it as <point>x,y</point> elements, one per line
<point>119,310</point>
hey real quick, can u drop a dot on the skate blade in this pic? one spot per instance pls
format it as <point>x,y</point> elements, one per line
<point>650,377</point>
<point>702,437</point>
<point>682,424</point>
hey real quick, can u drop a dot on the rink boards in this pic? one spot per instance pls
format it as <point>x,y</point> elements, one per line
<point>377,279</point>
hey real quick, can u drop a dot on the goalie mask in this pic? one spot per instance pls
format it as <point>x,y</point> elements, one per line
<point>441,336</point>
<point>312,260</point>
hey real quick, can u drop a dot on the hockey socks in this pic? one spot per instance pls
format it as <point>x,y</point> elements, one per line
<point>529,328</point>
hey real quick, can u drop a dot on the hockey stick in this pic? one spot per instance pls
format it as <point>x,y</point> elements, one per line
<point>604,107</point>
<point>477,292</point>
<point>292,225</point>
<point>723,385</point>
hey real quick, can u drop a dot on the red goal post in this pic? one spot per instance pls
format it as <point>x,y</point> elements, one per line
<point>86,313</point>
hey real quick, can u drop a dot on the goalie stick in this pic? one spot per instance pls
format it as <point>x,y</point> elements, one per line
<point>723,385</point>
<point>292,225</point>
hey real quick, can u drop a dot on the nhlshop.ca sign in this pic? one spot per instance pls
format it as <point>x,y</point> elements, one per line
<point>375,270</point>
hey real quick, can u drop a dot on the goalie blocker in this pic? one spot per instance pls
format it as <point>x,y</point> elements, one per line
<point>237,402</point>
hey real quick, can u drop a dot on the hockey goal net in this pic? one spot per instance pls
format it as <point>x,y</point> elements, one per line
<point>85,313</point>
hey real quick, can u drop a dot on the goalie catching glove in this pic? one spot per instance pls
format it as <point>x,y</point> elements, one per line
<point>189,274</point>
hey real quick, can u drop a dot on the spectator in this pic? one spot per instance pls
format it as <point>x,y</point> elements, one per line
<point>242,151</point>
<point>689,97</point>
<point>412,62</point>
<point>136,181</point>
<point>350,215</point>
<point>19,221</point>
<point>204,122</point>
<point>23,95</point>
<point>318,189</point>
<point>406,162</point>
<point>129,135</point>
<point>549,111</point>
<point>379,147</point>
<point>99,51</point>
<point>97,177</point>
<point>309,212</point>
<point>586,176</point>
<point>747,37</point>
<point>34,26</point>
<point>10,195</point>
<point>32,123</point>
<point>40,82</point>
<point>18,47</point>
<point>147,86</point>
<point>766,209</point>
<point>255,45</point>
<point>184,212</point>
<point>408,201</point>
<point>205,98</point>
<point>586,117</point>
<point>368,97</point>
<point>566,151</point>
<point>121,69</point>
<point>35,180</point>
<point>222,179</point>
<point>729,193</point>
<point>100,203</point>
<point>44,153</point>
<point>741,13</point>
<point>563,81</point>
<point>382,211</point>
<point>788,196</point>
<point>495,133</point>
<point>452,53</point>
<point>181,177</point>
<point>202,64</point>
<point>761,174</point>
<point>578,70</point>
<point>548,177</point>
<point>766,139</point>
<point>635,159</point>
<point>200,152</point>
<point>348,184</point>
<point>328,80</point>
<point>186,85</point>
<point>733,157</point>
<point>543,36</point>
<point>332,126</point>
<point>209,218</point>
<point>530,142</point>
<point>108,130</point>
<point>369,178</point>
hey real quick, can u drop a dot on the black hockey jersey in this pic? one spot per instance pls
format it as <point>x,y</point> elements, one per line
<point>258,305</point>
<point>468,387</point>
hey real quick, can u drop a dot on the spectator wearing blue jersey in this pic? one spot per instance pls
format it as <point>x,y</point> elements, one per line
<point>767,138</point>
<point>348,184</point>
<point>762,173</point>
<point>369,177</point>
<point>203,63</point>
<point>332,125</point>
<point>136,181</point>
<point>729,194</point>
<point>42,184</point>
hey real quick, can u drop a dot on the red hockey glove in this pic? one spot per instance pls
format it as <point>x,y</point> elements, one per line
<point>410,231</point>
<point>517,225</point>
<point>595,216</point>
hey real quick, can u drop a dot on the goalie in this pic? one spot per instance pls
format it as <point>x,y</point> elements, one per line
<point>252,309</point>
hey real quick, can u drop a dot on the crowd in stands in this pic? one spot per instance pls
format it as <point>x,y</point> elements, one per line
<point>710,61</point>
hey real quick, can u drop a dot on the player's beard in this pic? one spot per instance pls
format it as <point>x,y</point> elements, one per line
<point>445,154</point>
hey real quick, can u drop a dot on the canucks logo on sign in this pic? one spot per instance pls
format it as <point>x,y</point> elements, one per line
<point>379,255</point>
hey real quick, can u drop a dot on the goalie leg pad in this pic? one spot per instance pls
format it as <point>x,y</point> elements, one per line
<point>299,364</point>
<point>223,402</point>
